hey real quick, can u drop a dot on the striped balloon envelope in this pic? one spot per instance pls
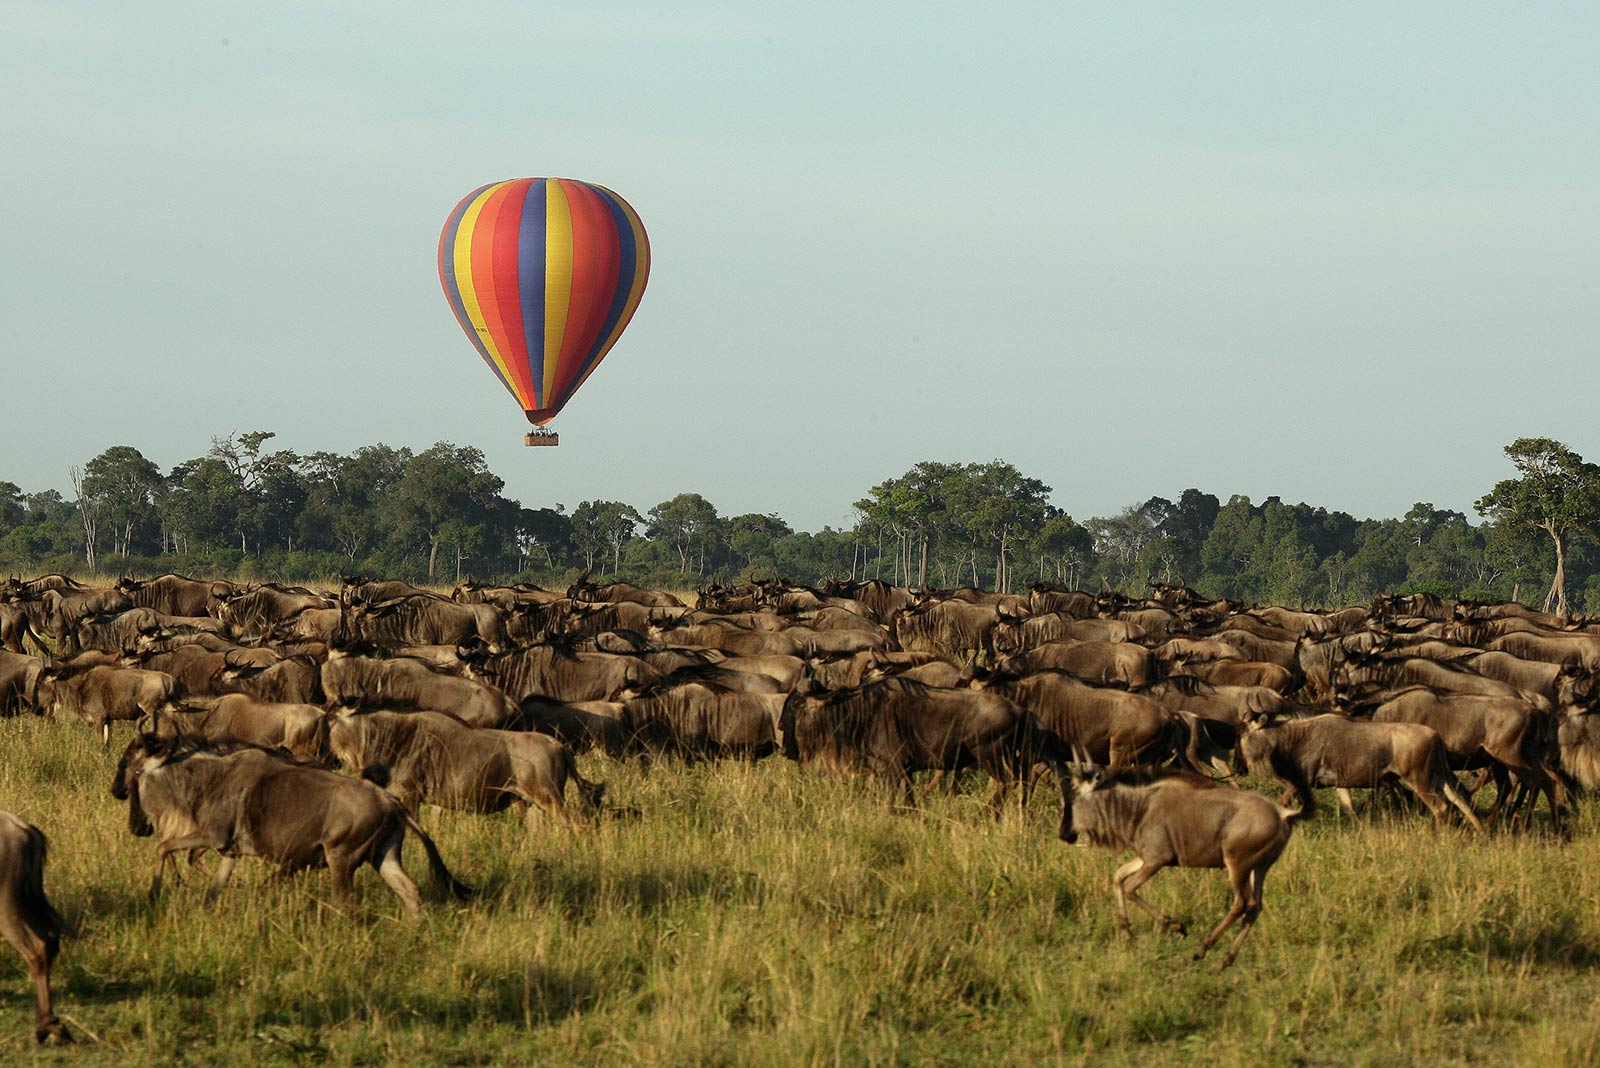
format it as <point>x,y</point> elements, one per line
<point>543,275</point>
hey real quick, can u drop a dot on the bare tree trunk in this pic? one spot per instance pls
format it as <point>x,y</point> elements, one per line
<point>1557,597</point>
<point>433,555</point>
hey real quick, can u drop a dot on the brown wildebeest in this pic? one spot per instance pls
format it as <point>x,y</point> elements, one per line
<point>702,718</point>
<point>406,683</point>
<point>584,590</point>
<point>1509,735</point>
<point>26,918</point>
<point>1333,750</point>
<point>175,595</point>
<point>247,802</point>
<point>896,727</point>
<point>438,759</point>
<point>103,693</point>
<point>238,717</point>
<point>426,619</point>
<point>1174,817</point>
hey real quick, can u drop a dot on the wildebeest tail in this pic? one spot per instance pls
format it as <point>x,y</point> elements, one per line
<point>33,907</point>
<point>593,793</point>
<point>441,874</point>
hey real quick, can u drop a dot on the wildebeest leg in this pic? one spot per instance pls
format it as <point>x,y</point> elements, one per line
<point>394,874</point>
<point>1258,879</point>
<point>1127,881</point>
<point>341,873</point>
<point>220,880</point>
<point>1454,797</point>
<point>39,951</point>
<point>164,857</point>
<point>1346,804</point>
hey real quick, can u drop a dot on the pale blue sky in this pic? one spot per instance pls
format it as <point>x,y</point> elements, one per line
<point>1340,253</point>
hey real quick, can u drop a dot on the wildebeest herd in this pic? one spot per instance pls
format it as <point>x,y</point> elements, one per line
<point>305,727</point>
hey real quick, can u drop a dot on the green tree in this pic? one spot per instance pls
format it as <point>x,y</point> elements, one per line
<point>12,508</point>
<point>688,523</point>
<point>126,488</point>
<point>601,525</point>
<point>1558,492</point>
<point>752,539</point>
<point>445,494</point>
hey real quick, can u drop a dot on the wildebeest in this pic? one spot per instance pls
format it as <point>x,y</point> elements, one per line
<point>702,718</point>
<point>553,672</point>
<point>584,590</point>
<point>1121,664</point>
<point>103,693</point>
<point>438,759</point>
<point>238,717</point>
<point>1333,750</point>
<point>254,611</point>
<point>26,918</point>
<point>1174,817</point>
<point>406,683</point>
<point>1112,726</point>
<point>1507,734</point>
<point>175,595</point>
<point>953,629</point>
<point>896,727</point>
<point>426,619</point>
<point>19,675</point>
<point>248,802</point>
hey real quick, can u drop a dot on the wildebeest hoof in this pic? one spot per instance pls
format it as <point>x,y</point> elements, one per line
<point>54,1032</point>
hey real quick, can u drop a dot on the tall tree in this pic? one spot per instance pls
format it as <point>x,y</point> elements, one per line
<point>445,494</point>
<point>125,487</point>
<point>1558,492</point>
<point>687,522</point>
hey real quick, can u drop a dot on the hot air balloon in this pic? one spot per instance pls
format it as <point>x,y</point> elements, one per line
<point>543,275</point>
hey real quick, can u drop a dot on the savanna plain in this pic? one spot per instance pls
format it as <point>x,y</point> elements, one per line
<point>739,914</point>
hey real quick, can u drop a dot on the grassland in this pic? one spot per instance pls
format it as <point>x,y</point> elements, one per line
<point>738,915</point>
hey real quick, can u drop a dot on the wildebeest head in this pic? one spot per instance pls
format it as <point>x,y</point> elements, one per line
<point>1076,791</point>
<point>144,751</point>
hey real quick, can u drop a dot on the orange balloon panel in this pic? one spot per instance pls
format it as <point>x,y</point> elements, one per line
<point>543,275</point>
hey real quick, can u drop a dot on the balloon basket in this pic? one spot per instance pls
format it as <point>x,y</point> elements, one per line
<point>541,437</point>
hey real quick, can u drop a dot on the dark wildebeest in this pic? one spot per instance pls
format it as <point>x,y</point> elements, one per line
<point>581,724</point>
<point>584,590</point>
<point>122,630</point>
<point>406,683</point>
<point>174,595</point>
<point>15,629</point>
<point>897,727</point>
<point>1121,664</point>
<point>19,675</point>
<point>438,759</point>
<point>26,918</point>
<point>1112,726</point>
<point>103,693</point>
<point>63,610</point>
<point>881,599</point>
<point>1333,750</point>
<point>953,629</point>
<point>253,612</point>
<point>238,717</point>
<point>553,672</point>
<point>247,802</point>
<point>429,620</point>
<point>702,718</point>
<point>1174,817</point>
<point>1507,734</point>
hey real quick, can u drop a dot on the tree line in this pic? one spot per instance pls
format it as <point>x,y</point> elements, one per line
<point>248,510</point>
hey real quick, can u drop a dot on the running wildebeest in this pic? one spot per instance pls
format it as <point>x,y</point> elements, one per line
<point>26,918</point>
<point>247,802</point>
<point>1175,817</point>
